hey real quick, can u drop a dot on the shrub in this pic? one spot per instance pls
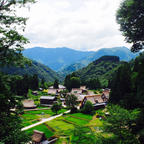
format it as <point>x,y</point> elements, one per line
<point>88,108</point>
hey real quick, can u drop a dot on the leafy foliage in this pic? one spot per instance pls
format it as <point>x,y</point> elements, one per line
<point>130,16</point>
<point>121,122</point>
<point>11,45</point>
<point>56,107</point>
<point>127,89</point>
<point>11,41</point>
<point>56,84</point>
<point>71,102</point>
<point>88,108</point>
<point>72,81</point>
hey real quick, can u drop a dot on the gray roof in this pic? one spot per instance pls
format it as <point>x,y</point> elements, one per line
<point>47,97</point>
<point>60,87</point>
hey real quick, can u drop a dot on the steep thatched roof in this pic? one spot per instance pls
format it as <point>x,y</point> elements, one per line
<point>38,136</point>
<point>28,103</point>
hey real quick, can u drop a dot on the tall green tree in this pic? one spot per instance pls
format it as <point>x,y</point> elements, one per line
<point>121,86</point>
<point>56,84</point>
<point>130,16</point>
<point>11,41</point>
<point>71,102</point>
<point>93,83</point>
<point>75,82</point>
<point>56,107</point>
<point>88,108</point>
<point>72,81</point>
<point>11,45</point>
<point>121,123</point>
<point>35,82</point>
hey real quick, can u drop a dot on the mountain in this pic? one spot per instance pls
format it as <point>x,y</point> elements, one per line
<point>71,68</point>
<point>66,60</point>
<point>102,68</point>
<point>36,68</point>
<point>55,58</point>
<point>122,52</point>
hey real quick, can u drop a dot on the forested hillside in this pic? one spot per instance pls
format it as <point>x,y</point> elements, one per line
<point>41,70</point>
<point>103,69</point>
<point>127,90</point>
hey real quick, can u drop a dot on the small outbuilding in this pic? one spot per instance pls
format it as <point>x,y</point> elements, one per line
<point>38,137</point>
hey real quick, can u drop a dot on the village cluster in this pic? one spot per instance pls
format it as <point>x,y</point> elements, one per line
<point>83,94</point>
<point>52,95</point>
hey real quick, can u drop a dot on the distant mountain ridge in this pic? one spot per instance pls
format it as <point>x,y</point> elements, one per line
<point>55,58</point>
<point>66,60</point>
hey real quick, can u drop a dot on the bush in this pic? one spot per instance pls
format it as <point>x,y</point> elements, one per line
<point>74,110</point>
<point>88,108</point>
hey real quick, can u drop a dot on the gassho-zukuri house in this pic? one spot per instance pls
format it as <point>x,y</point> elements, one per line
<point>98,100</point>
<point>47,100</point>
<point>52,90</point>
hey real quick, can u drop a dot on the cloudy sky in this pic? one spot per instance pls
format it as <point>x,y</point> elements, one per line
<point>78,24</point>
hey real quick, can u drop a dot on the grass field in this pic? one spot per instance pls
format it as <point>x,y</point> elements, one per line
<point>31,117</point>
<point>60,126</point>
<point>42,128</point>
<point>64,125</point>
<point>82,116</point>
<point>76,121</point>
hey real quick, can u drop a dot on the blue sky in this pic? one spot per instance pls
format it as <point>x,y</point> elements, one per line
<point>78,24</point>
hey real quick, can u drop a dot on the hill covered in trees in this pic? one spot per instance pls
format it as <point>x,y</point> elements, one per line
<point>103,69</point>
<point>41,70</point>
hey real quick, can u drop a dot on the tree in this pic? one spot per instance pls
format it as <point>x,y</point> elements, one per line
<point>88,108</point>
<point>11,45</point>
<point>35,82</point>
<point>10,123</point>
<point>56,107</point>
<point>121,123</point>
<point>11,41</point>
<point>130,16</point>
<point>94,83</point>
<point>121,87</point>
<point>71,102</point>
<point>56,84</point>
<point>72,81</point>
<point>75,82</point>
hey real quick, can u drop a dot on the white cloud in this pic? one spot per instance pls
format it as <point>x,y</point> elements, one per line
<point>78,24</point>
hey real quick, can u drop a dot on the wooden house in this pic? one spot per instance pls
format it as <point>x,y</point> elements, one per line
<point>96,100</point>
<point>47,100</point>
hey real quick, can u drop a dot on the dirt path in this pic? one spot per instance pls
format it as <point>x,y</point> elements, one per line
<point>36,109</point>
<point>43,121</point>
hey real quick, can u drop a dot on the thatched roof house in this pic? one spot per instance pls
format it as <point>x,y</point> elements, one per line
<point>29,104</point>
<point>38,137</point>
<point>76,91</point>
<point>94,99</point>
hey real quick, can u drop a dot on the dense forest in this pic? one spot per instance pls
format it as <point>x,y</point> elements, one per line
<point>41,70</point>
<point>101,69</point>
<point>127,90</point>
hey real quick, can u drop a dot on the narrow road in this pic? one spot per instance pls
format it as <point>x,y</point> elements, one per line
<point>43,121</point>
